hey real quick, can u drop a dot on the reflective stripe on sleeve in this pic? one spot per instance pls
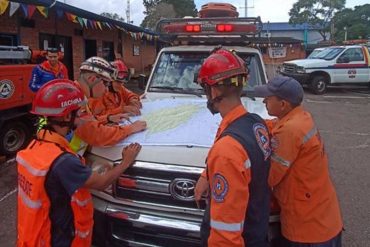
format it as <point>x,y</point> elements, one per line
<point>247,164</point>
<point>30,169</point>
<point>82,234</point>
<point>79,202</point>
<point>280,160</point>
<point>309,135</point>
<point>27,201</point>
<point>231,227</point>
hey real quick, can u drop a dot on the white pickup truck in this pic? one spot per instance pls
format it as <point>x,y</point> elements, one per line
<point>152,203</point>
<point>334,66</point>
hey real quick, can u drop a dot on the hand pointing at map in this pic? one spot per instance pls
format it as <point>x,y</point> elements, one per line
<point>138,126</point>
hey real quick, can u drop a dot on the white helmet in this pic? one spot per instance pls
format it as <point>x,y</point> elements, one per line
<point>99,66</point>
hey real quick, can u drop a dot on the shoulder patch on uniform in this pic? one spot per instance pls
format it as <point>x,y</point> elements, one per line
<point>220,187</point>
<point>263,139</point>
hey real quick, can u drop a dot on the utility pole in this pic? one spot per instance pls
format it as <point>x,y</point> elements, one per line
<point>246,7</point>
<point>128,12</point>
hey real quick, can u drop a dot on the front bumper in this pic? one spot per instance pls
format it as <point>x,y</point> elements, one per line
<point>300,77</point>
<point>119,225</point>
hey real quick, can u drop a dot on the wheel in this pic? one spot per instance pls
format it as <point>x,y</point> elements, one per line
<point>13,137</point>
<point>318,84</point>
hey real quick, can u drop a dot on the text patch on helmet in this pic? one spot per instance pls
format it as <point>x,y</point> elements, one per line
<point>220,187</point>
<point>263,139</point>
<point>71,102</point>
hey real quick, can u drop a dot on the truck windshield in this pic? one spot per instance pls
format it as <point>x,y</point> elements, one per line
<point>315,53</point>
<point>177,69</point>
<point>330,53</point>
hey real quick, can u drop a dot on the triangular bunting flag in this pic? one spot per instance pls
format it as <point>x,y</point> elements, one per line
<point>99,25</point>
<point>141,35</point>
<point>85,22</point>
<point>91,24</point>
<point>25,9</point>
<point>31,10</point>
<point>79,19</point>
<point>3,6</point>
<point>43,11</point>
<point>13,8</point>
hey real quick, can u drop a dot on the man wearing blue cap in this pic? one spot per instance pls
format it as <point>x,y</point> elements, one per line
<point>299,173</point>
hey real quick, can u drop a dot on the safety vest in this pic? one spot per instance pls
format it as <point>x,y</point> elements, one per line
<point>251,132</point>
<point>34,225</point>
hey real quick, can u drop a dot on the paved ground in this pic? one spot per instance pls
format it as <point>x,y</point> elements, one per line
<point>343,119</point>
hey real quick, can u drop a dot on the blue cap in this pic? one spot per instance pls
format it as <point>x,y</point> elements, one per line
<point>284,87</point>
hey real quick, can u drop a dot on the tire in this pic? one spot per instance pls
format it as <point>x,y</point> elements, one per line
<point>319,84</point>
<point>13,137</point>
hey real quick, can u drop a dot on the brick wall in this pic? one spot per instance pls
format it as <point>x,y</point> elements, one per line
<point>61,26</point>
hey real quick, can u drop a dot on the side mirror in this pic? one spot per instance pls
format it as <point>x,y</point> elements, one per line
<point>343,60</point>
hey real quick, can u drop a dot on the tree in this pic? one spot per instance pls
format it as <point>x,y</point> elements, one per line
<point>352,23</point>
<point>113,16</point>
<point>157,9</point>
<point>316,13</point>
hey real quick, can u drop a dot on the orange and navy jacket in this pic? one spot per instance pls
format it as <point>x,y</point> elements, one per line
<point>112,102</point>
<point>34,225</point>
<point>300,179</point>
<point>237,170</point>
<point>44,72</point>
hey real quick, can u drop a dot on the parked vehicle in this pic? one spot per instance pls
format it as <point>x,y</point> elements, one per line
<point>335,66</point>
<point>16,123</point>
<point>152,204</point>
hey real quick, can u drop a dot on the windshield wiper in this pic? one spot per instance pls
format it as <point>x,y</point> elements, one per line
<point>179,90</point>
<point>248,94</point>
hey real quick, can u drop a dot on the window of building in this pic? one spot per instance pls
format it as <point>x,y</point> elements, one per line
<point>108,50</point>
<point>8,39</point>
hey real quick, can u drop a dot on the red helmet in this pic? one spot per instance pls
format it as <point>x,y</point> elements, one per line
<point>58,98</point>
<point>122,70</point>
<point>220,65</point>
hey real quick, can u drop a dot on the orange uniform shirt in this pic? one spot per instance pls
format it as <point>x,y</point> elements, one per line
<point>301,182</point>
<point>112,103</point>
<point>228,171</point>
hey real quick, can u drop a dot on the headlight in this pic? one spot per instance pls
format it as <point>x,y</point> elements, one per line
<point>301,70</point>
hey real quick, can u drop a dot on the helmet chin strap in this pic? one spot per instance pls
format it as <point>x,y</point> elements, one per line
<point>211,102</point>
<point>70,124</point>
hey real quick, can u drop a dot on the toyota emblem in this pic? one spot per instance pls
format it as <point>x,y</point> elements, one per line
<point>182,189</point>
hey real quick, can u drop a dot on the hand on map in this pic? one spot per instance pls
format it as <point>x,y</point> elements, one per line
<point>138,126</point>
<point>131,109</point>
<point>129,154</point>
<point>119,117</point>
<point>135,102</point>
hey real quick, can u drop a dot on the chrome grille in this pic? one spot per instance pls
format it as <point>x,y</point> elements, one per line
<point>162,184</point>
<point>289,68</point>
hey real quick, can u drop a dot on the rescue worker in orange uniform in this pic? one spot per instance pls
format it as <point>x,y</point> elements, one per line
<point>299,175</point>
<point>95,76</point>
<point>54,203</point>
<point>237,163</point>
<point>118,99</point>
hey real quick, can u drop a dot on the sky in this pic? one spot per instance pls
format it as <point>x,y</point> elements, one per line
<point>277,10</point>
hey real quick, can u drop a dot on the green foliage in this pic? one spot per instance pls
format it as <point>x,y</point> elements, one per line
<point>113,16</point>
<point>316,13</point>
<point>157,9</point>
<point>356,21</point>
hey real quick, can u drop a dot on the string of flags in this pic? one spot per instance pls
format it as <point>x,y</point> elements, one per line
<point>28,11</point>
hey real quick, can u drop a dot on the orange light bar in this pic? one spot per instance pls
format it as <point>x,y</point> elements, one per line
<point>224,28</point>
<point>192,28</point>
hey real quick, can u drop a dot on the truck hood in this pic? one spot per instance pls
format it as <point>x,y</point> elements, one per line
<point>310,63</point>
<point>186,155</point>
